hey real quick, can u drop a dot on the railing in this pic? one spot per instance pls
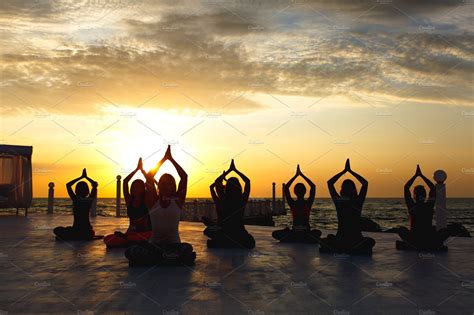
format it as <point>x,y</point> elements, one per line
<point>195,209</point>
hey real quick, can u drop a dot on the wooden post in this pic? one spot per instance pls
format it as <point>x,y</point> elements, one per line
<point>440,204</point>
<point>50,198</point>
<point>118,196</point>
<point>195,215</point>
<point>283,201</point>
<point>274,197</point>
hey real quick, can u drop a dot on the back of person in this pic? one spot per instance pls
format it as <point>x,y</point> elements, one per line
<point>421,217</point>
<point>300,211</point>
<point>165,222</point>
<point>139,218</point>
<point>348,217</point>
<point>233,214</point>
<point>81,208</point>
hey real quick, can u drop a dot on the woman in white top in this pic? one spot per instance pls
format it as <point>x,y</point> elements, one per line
<point>164,207</point>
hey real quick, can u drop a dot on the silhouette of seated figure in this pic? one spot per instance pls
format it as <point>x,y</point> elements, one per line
<point>164,246</point>
<point>139,229</point>
<point>422,235</point>
<point>349,238</point>
<point>81,229</point>
<point>230,203</point>
<point>300,209</point>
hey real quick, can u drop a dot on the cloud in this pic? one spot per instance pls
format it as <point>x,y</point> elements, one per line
<point>205,55</point>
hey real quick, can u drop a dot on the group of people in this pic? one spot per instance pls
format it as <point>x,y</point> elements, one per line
<point>154,210</point>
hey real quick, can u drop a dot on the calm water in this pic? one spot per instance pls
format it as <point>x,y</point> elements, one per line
<point>386,212</point>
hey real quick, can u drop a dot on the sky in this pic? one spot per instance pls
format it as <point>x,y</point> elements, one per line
<point>271,84</point>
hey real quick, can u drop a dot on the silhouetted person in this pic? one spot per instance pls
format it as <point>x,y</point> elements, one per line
<point>349,238</point>
<point>82,200</point>
<point>230,203</point>
<point>422,235</point>
<point>139,229</point>
<point>164,246</point>
<point>300,210</point>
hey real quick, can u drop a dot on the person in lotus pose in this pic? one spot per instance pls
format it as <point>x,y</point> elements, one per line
<point>139,229</point>
<point>164,245</point>
<point>82,200</point>
<point>349,238</point>
<point>421,235</point>
<point>300,210</point>
<point>230,201</point>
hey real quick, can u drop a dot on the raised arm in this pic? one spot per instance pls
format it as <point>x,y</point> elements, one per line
<point>246,193</point>
<point>364,187</point>
<point>94,185</point>
<point>126,192</point>
<point>69,185</point>
<point>288,196</point>
<point>334,179</point>
<point>218,185</point>
<point>312,186</point>
<point>432,193</point>
<point>151,195</point>
<point>408,199</point>
<point>183,182</point>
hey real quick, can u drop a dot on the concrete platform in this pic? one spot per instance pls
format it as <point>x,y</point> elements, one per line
<point>40,275</point>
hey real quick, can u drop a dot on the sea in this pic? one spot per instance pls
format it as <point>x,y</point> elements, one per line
<point>387,212</point>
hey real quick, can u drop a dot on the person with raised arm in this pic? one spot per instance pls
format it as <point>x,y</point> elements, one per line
<point>139,229</point>
<point>300,210</point>
<point>165,206</point>
<point>230,200</point>
<point>349,203</point>
<point>82,200</point>
<point>421,235</point>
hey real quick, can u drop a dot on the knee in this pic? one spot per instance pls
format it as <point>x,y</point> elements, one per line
<point>59,230</point>
<point>370,241</point>
<point>277,234</point>
<point>186,247</point>
<point>403,232</point>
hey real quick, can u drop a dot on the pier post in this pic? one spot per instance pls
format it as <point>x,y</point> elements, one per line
<point>196,207</point>
<point>283,201</point>
<point>274,197</point>
<point>440,205</point>
<point>118,196</point>
<point>50,198</point>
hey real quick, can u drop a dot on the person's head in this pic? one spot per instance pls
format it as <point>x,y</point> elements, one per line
<point>167,186</point>
<point>348,189</point>
<point>419,193</point>
<point>233,189</point>
<point>300,190</point>
<point>137,190</point>
<point>82,189</point>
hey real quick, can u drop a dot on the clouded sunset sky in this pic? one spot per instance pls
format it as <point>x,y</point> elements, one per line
<point>98,84</point>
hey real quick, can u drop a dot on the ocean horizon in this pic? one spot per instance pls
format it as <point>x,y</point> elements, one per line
<point>387,212</point>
